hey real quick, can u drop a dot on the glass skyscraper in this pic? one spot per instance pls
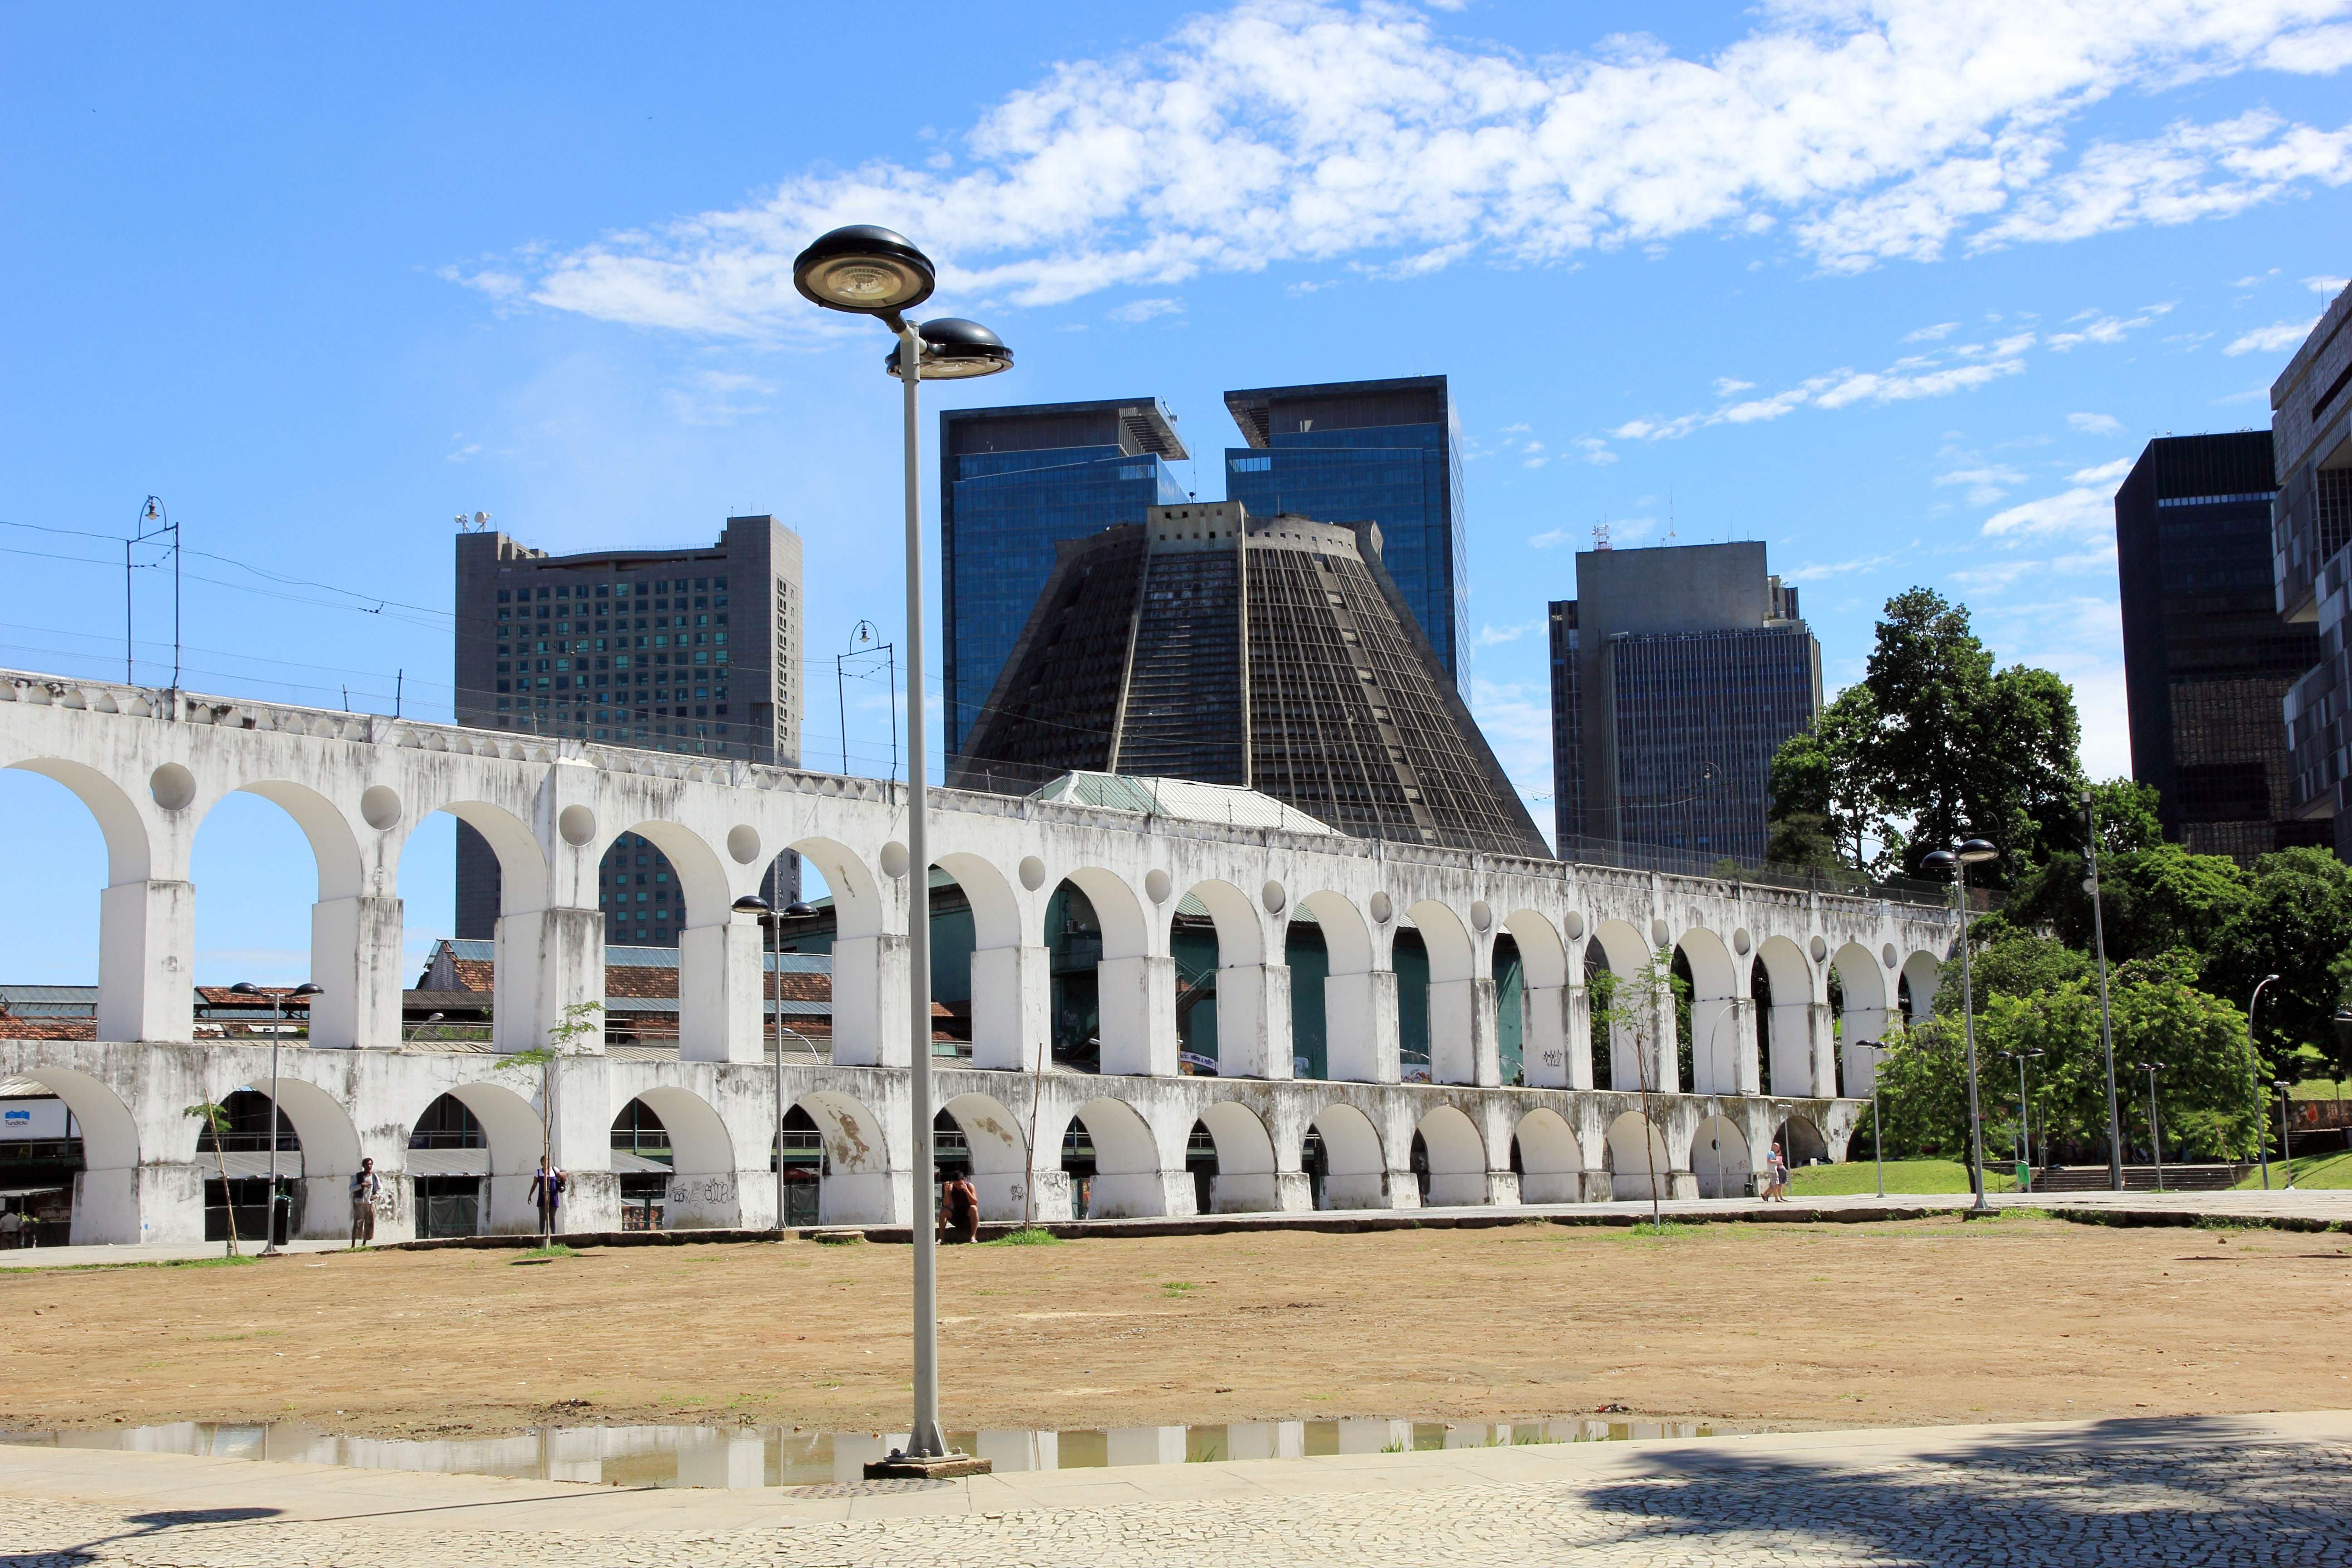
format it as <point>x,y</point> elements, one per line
<point>1368,452</point>
<point>1014,483</point>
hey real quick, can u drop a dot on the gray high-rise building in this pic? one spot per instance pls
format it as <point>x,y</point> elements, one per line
<point>2207,660</point>
<point>1013,484</point>
<point>2311,525</point>
<point>1675,674</point>
<point>1271,653</point>
<point>1368,452</point>
<point>695,650</point>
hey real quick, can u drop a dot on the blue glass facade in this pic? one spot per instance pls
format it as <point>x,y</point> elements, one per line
<point>1002,513</point>
<point>1342,454</point>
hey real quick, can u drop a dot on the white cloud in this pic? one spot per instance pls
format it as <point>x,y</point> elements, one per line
<point>1724,386</point>
<point>2328,286</point>
<point>1900,383</point>
<point>1986,485</point>
<point>1933,334</point>
<point>2106,330</point>
<point>2271,339</point>
<point>2104,474</point>
<point>1621,530</point>
<point>2095,424</point>
<point>1494,636</point>
<point>1136,311</point>
<point>2082,512</point>
<point>1595,450</point>
<point>1287,130</point>
<point>716,397</point>
<point>1821,572</point>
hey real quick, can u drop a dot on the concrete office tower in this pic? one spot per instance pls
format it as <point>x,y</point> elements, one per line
<point>1014,483</point>
<point>1675,674</point>
<point>695,650</point>
<point>1271,653</point>
<point>1368,452</point>
<point>2311,524</point>
<point>2205,658</point>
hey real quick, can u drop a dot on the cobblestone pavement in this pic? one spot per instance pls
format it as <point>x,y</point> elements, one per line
<point>2002,1502</point>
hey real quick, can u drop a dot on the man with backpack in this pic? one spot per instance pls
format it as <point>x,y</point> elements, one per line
<point>547,1185</point>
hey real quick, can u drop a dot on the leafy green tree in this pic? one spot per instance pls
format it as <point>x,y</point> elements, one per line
<point>1941,745</point>
<point>2153,896</point>
<point>2295,922</point>
<point>579,1020</point>
<point>215,1117</point>
<point>1644,1005</point>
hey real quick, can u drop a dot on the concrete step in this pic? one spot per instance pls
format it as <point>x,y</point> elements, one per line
<point>2141,1178</point>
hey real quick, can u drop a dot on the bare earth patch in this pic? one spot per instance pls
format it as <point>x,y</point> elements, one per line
<point>1918,1322</point>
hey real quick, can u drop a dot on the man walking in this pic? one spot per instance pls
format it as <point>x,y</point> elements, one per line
<point>1776,1179</point>
<point>365,1188</point>
<point>546,1192</point>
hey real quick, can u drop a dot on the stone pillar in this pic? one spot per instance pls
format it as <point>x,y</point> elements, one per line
<point>722,986</point>
<point>1011,991</point>
<point>355,953</point>
<point>547,960</point>
<point>1254,1021</point>
<point>1461,1044</point>
<point>869,1002</point>
<point>1794,1070</point>
<point>1821,1044</point>
<point>146,961</point>
<point>1556,1041</point>
<point>1724,1059</point>
<point>1138,1009</point>
<point>1863,1025</point>
<point>1360,1014</point>
<point>1666,1064</point>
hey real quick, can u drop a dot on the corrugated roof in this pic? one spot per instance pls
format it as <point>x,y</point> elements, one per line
<point>25,1088</point>
<point>481,951</point>
<point>448,1162</point>
<point>1180,798</point>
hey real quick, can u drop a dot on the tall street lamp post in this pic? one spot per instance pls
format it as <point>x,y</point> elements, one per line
<point>870,271</point>
<point>1975,851</point>
<point>2155,1131</point>
<point>276,1019</point>
<point>1877,1142</point>
<point>2106,1024</point>
<point>2024,1123</point>
<point>2287,1150</point>
<point>2254,1065</point>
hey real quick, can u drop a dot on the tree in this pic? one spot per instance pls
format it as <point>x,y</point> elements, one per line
<point>1643,1003</point>
<point>215,1117</point>
<point>2154,895</point>
<point>2295,922</point>
<point>578,1021</point>
<point>1826,808</point>
<point>1939,746</point>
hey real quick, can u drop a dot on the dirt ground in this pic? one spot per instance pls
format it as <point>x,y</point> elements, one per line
<point>1921,1322</point>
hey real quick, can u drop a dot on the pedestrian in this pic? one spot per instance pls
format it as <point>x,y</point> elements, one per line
<point>959,1219</point>
<point>366,1187</point>
<point>1776,1181</point>
<point>547,1185</point>
<point>12,1231</point>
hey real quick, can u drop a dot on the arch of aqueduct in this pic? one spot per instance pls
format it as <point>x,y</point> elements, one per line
<point>148,765</point>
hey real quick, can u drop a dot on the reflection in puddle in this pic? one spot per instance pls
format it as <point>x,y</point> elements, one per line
<point>780,1456</point>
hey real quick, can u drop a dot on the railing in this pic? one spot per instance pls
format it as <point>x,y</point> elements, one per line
<point>1843,882</point>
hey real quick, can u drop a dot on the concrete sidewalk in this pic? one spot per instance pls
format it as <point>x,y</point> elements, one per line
<point>2165,1489</point>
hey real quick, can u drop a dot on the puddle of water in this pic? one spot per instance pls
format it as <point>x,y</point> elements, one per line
<point>789,1456</point>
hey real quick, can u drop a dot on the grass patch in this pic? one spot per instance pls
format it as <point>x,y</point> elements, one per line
<point>2315,1171</point>
<point>1028,1235</point>
<point>548,1253</point>
<point>1663,1230</point>
<point>1176,1289</point>
<point>1920,1178</point>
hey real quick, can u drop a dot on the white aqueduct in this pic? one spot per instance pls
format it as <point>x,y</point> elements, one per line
<point>148,765</point>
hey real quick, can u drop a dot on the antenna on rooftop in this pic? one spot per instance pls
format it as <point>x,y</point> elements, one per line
<point>1601,536</point>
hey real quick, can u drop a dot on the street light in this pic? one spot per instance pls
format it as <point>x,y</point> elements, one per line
<point>2106,1024</point>
<point>770,991</point>
<point>1975,851</point>
<point>2155,1131</point>
<point>1877,1142</point>
<point>276,1016</point>
<point>2024,1124</point>
<point>2254,1065</point>
<point>2287,1150</point>
<point>871,271</point>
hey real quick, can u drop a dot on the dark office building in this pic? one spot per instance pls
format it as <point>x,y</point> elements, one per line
<point>1368,452</point>
<point>1271,653</point>
<point>1675,674</point>
<point>2205,658</point>
<point>2311,524</point>
<point>694,650</point>
<point>1014,483</point>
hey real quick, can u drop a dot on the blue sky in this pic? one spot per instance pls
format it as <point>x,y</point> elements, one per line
<point>1898,288</point>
